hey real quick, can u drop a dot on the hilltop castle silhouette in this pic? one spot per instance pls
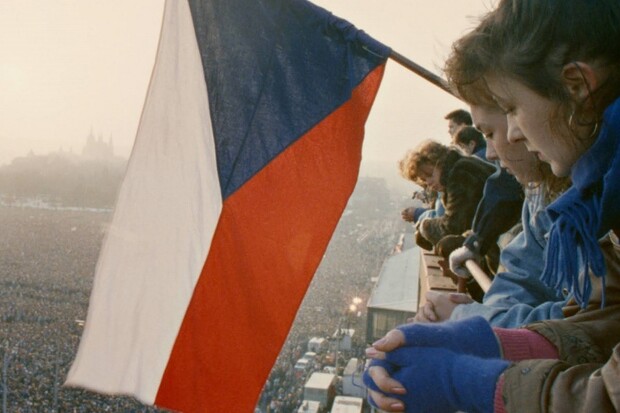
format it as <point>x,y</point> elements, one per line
<point>97,148</point>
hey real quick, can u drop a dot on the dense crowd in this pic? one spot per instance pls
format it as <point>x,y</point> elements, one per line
<point>363,239</point>
<point>47,262</point>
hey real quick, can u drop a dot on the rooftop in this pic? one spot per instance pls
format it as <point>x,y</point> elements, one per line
<point>397,286</point>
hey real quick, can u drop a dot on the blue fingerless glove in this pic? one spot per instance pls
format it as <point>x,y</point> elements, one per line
<point>441,381</point>
<point>369,382</point>
<point>472,336</point>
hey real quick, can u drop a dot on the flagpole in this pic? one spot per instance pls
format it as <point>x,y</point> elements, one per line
<point>420,71</point>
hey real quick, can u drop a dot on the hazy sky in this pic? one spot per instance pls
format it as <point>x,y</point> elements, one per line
<point>67,66</point>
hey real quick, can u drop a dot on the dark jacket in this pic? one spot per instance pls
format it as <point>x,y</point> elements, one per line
<point>463,179</point>
<point>498,211</point>
<point>480,151</point>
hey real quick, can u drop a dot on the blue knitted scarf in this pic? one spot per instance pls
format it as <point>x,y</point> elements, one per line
<point>585,213</point>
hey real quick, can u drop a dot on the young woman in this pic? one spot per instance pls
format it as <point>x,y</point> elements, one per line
<point>459,178</point>
<point>554,67</point>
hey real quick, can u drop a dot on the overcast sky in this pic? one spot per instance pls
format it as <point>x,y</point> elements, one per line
<point>67,66</point>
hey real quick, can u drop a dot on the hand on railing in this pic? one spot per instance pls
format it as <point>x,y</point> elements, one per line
<point>480,276</point>
<point>463,263</point>
<point>439,306</point>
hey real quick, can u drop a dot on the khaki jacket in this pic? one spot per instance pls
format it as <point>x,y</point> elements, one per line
<point>587,376</point>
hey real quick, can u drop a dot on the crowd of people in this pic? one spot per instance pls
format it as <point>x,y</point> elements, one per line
<point>542,80</point>
<point>48,260</point>
<point>365,236</point>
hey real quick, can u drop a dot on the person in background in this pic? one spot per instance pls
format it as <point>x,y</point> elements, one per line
<point>497,217</point>
<point>457,119</point>
<point>461,180</point>
<point>427,197</point>
<point>471,142</point>
<point>495,223</point>
<point>554,69</point>
<point>482,197</point>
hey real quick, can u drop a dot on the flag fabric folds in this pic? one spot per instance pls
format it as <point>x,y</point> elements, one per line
<point>247,151</point>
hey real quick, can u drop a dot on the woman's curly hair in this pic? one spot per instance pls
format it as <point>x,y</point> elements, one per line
<point>427,153</point>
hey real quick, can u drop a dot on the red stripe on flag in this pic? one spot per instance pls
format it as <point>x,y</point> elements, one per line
<point>270,239</point>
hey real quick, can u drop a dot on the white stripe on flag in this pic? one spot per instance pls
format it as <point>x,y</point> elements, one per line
<point>161,230</point>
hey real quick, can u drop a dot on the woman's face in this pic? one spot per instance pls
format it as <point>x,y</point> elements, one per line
<point>529,118</point>
<point>515,157</point>
<point>431,176</point>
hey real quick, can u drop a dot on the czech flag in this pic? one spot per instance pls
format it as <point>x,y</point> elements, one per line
<point>248,149</point>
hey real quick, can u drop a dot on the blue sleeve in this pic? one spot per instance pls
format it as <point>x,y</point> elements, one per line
<point>418,212</point>
<point>436,212</point>
<point>511,317</point>
<point>439,208</point>
<point>517,295</point>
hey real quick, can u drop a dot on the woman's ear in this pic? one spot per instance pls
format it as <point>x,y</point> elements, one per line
<point>580,80</point>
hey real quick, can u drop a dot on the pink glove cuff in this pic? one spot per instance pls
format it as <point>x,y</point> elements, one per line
<point>523,344</point>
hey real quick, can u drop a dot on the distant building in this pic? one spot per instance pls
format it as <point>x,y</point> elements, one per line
<point>317,344</point>
<point>344,338</point>
<point>97,148</point>
<point>344,404</point>
<point>309,406</point>
<point>352,384</point>
<point>321,387</point>
<point>394,298</point>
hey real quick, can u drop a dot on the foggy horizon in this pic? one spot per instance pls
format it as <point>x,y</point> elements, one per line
<point>71,67</point>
